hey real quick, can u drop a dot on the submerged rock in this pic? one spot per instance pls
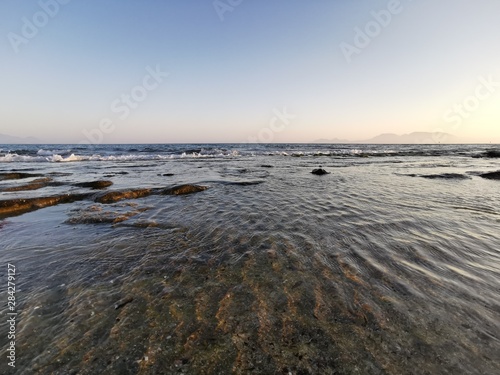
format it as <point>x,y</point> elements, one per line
<point>17,206</point>
<point>491,175</point>
<point>18,175</point>
<point>33,185</point>
<point>115,196</point>
<point>96,215</point>
<point>446,176</point>
<point>101,184</point>
<point>183,190</point>
<point>244,183</point>
<point>105,218</point>
<point>60,174</point>
<point>319,171</point>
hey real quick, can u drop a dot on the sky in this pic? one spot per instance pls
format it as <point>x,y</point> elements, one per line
<point>199,71</point>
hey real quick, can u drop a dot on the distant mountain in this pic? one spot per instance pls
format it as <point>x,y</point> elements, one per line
<point>412,138</point>
<point>9,139</point>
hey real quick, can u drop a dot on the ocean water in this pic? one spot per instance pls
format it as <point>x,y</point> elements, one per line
<point>389,264</point>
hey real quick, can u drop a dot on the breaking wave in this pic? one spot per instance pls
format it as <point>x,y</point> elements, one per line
<point>75,153</point>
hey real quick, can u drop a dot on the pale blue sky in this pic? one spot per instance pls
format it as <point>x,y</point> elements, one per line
<point>228,77</point>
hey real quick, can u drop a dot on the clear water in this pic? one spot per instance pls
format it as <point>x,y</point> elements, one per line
<point>371,269</point>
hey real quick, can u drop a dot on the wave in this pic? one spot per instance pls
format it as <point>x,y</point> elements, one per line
<point>29,159</point>
<point>376,154</point>
<point>74,153</point>
<point>58,158</point>
<point>43,152</point>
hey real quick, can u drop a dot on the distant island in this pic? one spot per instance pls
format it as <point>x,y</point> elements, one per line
<point>391,138</point>
<point>10,139</point>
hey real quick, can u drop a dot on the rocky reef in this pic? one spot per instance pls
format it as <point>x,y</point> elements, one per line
<point>491,175</point>
<point>11,207</point>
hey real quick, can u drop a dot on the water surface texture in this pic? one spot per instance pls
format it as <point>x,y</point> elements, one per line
<point>389,264</point>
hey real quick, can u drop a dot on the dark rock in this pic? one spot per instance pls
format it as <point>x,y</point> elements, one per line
<point>17,206</point>
<point>18,175</point>
<point>96,215</point>
<point>266,166</point>
<point>319,172</point>
<point>60,174</point>
<point>244,183</point>
<point>492,154</point>
<point>168,174</point>
<point>115,196</point>
<point>104,219</point>
<point>446,176</point>
<point>488,154</point>
<point>183,190</point>
<point>34,185</point>
<point>491,175</point>
<point>102,184</point>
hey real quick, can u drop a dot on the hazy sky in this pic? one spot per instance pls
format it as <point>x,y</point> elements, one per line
<point>268,70</point>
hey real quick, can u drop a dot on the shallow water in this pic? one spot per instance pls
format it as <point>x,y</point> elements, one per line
<point>371,269</point>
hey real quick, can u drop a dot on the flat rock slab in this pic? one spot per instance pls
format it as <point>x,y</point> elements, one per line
<point>12,207</point>
<point>446,176</point>
<point>183,190</point>
<point>491,175</point>
<point>18,175</point>
<point>33,185</point>
<point>17,206</point>
<point>492,154</point>
<point>101,184</point>
<point>115,196</point>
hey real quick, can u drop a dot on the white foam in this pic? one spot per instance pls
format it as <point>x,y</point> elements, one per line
<point>43,152</point>
<point>61,156</point>
<point>9,158</point>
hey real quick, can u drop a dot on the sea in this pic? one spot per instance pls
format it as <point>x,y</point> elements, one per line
<point>387,264</point>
